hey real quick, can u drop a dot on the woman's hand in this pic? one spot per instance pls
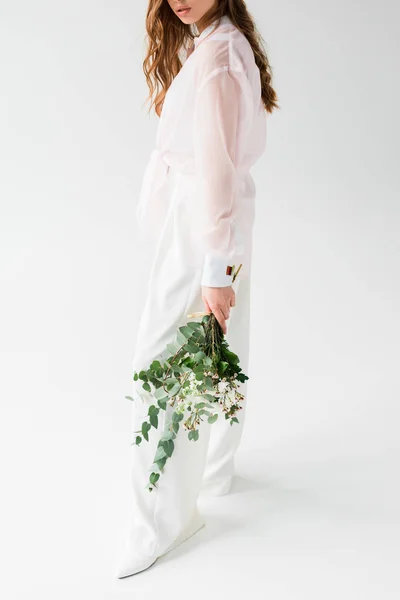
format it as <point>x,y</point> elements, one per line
<point>219,301</point>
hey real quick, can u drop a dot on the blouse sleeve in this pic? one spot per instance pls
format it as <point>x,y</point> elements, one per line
<point>216,115</point>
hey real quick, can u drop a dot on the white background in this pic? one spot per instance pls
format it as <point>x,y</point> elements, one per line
<point>315,509</point>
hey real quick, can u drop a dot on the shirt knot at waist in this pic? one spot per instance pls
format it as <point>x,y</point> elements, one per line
<point>151,206</point>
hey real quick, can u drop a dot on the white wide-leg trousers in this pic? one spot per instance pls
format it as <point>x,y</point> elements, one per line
<point>163,518</point>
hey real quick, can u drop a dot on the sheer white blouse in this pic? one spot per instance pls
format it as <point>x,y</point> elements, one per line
<point>211,132</point>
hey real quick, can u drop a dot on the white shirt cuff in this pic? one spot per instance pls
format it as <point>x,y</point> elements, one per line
<point>218,271</point>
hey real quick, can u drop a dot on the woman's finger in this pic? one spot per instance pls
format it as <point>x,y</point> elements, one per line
<point>207,306</point>
<point>221,319</point>
<point>225,311</point>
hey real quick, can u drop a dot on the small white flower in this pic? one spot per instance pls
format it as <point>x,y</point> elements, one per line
<point>222,385</point>
<point>232,396</point>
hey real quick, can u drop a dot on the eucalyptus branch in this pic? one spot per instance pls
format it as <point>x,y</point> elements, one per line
<point>206,384</point>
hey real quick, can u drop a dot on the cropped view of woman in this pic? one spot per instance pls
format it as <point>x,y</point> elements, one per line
<point>210,85</point>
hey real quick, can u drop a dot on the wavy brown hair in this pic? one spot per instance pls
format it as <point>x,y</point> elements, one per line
<point>166,35</point>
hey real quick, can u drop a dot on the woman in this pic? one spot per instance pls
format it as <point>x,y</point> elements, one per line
<point>196,207</point>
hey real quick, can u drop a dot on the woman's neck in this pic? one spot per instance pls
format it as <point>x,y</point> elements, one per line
<point>200,27</point>
<point>201,24</point>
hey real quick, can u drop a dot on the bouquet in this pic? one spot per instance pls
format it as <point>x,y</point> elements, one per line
<point>199,376</point>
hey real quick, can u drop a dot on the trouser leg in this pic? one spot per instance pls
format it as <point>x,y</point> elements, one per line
<point>225,438</point>
<point>161,516</point>
<point>158,517</point>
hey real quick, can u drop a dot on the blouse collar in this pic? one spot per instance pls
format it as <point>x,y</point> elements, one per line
<point>224,20</point>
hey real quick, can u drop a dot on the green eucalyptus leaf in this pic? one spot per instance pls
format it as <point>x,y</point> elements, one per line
<point>242,377</point>
<point>177,417</point>
<point>159,454</point>
<point>172,348</point>
<point>168,446</point>
<point>209,383</point>
<point>145,429</point>
<point>181,339</point>
<point>162,404</point>
<point>195,325</point>
<point>154,420</point>
<point>231,356</point>
<point>160,393</point>
<point>189,363</point>
<point>175,389</point>
<point>209,397</point>
<point>168,435</point>
<point>223,365</point>
<point>161,463</point>
<point>213,418</point>
<point>192,348</point>
<point>204,412</point>
<point>154,477</point>
<point>186,331</point>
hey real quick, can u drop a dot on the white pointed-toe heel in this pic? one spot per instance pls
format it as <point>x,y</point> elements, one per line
<point>127,567</point>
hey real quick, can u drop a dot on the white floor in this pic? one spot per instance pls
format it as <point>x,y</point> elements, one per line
<point>314,512</point>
